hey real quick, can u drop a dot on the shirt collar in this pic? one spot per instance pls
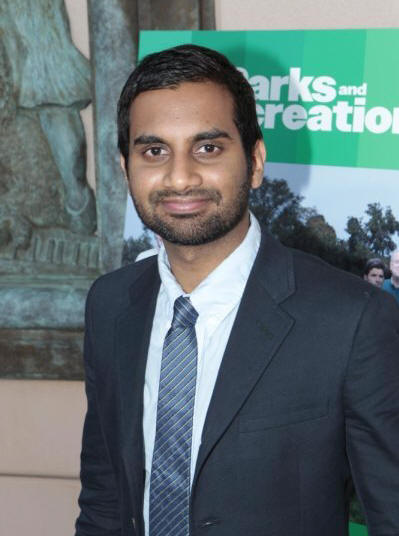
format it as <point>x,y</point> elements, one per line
<point>222,289</point>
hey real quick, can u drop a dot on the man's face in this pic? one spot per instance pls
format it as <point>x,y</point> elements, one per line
<point>187,170</point>
<point>375,277</point>
<point>394,265</point>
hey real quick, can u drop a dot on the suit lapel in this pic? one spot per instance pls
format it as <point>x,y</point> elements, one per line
<point>259,329</point>
<point>133,331</point>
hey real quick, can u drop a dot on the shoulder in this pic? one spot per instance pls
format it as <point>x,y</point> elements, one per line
<point>313,273</point>
<point>343,301</point>
<point>308,273</point>
<point>112,289</point>
<point>308,266</point>
<point>315,284</point>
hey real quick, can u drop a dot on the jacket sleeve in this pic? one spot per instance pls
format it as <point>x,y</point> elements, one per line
<point>98,500</point>
<point>372,414</point>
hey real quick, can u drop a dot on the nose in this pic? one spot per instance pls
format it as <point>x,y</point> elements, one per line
<point>182,173</point>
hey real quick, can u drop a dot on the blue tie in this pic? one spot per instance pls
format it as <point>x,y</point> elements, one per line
<point>170,471</point>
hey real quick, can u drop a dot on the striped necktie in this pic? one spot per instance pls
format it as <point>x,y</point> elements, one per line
<point>170,471</point>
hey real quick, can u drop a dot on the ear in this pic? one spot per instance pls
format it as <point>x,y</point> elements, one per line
<point>258,163</point>
<point>123,167</point>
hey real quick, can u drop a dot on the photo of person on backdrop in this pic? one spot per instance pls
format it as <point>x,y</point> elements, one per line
<point>392,285</point>
<point>235,386</point>
<point>374,272</point>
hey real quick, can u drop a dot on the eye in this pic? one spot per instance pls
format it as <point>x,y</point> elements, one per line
<point>208,148</point>
<point>155,151</point>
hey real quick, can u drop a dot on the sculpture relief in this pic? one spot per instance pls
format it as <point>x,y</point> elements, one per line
<point>47,210</point>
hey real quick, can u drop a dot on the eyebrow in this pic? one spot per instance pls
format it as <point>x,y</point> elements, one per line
<point>212,134</point>
<point>147,139</point>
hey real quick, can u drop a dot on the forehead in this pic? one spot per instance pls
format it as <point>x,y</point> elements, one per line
<point>376,270</point>
<point>187,109</point>
<point>395,257</point>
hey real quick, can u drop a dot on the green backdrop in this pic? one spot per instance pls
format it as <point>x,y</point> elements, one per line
<point>335,97</point>
<point>327,97</point>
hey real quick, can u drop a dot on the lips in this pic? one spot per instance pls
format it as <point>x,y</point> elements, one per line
<point>184,205</point>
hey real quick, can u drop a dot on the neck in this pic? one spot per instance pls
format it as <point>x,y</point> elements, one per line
<point>192,264</point>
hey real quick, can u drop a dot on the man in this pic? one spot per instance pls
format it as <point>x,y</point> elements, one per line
<point>392,285</point>
<point>374,272</point>
<point>234,387</point>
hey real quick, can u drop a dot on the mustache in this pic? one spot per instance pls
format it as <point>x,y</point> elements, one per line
<point>162,195</point>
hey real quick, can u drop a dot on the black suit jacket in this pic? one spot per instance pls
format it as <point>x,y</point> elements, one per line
<point>307,398</point>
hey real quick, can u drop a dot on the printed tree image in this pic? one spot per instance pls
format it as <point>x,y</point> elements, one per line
<point>133,246</point>
<point>281,211</point>
<point>375,234</point>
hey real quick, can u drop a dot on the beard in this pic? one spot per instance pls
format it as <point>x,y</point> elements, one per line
<point>195,229</point>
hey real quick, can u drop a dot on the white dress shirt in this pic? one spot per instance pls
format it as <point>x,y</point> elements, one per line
<point>216,299</point>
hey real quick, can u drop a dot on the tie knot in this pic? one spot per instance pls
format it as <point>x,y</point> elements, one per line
<point>184,313</point>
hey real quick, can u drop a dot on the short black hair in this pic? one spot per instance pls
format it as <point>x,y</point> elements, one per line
<point>374,263</point>
<point>191,63</point>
